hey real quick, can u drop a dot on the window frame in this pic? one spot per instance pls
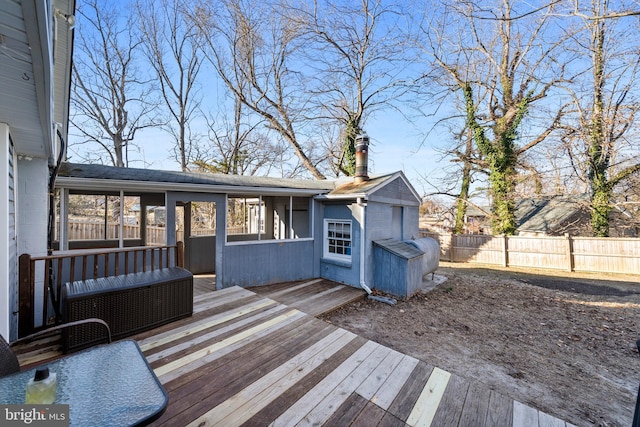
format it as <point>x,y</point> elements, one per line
<point>326,253</point>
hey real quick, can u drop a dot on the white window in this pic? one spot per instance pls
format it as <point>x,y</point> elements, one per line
<point>337,239</point>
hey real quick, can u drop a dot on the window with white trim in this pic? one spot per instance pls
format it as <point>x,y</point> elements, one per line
<point>337,239</point>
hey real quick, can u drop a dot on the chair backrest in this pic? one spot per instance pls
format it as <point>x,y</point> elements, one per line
<point>8,361</point>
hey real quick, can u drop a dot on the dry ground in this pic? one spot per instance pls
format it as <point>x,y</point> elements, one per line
<point>561,342</point>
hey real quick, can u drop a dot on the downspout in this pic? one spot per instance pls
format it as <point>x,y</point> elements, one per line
<point>53,173</point>
<point>363,241</point>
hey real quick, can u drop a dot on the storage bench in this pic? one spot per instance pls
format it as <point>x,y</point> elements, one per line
<point>129,303</point>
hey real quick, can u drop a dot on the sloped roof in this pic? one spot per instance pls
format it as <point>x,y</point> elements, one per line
<point>353,190</point>
<point>101,177</point>
<point>399,248</point>
<point>103,172</point>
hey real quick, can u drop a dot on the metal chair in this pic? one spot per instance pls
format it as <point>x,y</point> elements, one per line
<point>9,362</point>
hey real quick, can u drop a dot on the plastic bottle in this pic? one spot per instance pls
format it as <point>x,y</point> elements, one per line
<point>41,389</point>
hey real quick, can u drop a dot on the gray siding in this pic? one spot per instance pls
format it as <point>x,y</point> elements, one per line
<point>340,271</point>
<point>13,247</point>
<point>265,263</point>
<point>200,257</point>
<point>396,275</point>
<point>396,192</point>
<point>379,220</point>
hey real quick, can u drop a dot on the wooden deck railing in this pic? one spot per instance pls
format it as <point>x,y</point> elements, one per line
<point>41,278</point>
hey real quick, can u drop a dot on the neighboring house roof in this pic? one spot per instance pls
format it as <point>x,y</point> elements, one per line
<point>477,211</point>
<point>551,215</point>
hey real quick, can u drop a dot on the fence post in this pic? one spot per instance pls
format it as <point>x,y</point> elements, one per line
<point>452,258</point>
<point>25,296</point>
<point>569,249</point>
<point>505,251</point>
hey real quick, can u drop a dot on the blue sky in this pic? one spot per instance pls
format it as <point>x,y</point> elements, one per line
<point>395,145</point>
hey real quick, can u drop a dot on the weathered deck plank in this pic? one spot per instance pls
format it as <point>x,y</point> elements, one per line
<point>500,412</point>
<point>405,401</point>
<point>476,406</point>
<point>452,403</point>
<point>314,297</point>
<point>427,404</point>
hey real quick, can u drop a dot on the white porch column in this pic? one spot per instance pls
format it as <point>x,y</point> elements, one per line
<point>8,255</point>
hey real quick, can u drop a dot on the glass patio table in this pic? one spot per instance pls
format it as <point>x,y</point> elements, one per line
<point>108,385</point>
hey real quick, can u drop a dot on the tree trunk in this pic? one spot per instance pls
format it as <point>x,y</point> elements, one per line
<point>464,188</point>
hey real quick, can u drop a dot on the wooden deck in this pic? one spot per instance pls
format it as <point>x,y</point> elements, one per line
<point>247,359</point>
<point>314,297</point>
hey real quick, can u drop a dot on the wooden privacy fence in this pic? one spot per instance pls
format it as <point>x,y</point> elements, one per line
<point>580,254</point>
<point>41,278</point>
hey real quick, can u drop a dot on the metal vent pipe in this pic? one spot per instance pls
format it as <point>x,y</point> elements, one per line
<point>362,158</point>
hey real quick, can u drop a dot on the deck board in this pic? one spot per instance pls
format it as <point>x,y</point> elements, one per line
<point>476,406</point>
<point>245,358</point>
<point>315,297</point>
<point>450,409</point>
<point>293,394</point>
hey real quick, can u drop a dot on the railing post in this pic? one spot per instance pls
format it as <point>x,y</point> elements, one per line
<point>25,295</point>
<point>180,254</point>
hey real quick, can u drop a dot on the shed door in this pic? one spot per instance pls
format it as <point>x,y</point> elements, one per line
<point>396,222</point>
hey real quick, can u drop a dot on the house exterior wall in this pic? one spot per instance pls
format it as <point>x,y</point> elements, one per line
<point>267,262</point>
<point>395,192</point>
<point>338,270</point>
<point>32,177</point>
<point>393,202</point>
<point>379,219</point>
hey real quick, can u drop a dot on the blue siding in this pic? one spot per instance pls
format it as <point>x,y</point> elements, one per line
<point>397,268</point>
<point>340,271</point>
<point>396,192</point>
<point>269,262</point>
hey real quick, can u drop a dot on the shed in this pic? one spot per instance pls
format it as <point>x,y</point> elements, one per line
<point>397,267</point>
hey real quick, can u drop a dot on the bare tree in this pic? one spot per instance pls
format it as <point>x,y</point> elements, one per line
<point>110,99</point>
<point>357,54</point>
<point>174,49</point>
<point>601,141</point>
<point>498,60</point>
<point>251,45</point>
<point>237,147</point>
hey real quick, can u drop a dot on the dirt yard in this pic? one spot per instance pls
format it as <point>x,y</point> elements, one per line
<point>560,342</point>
